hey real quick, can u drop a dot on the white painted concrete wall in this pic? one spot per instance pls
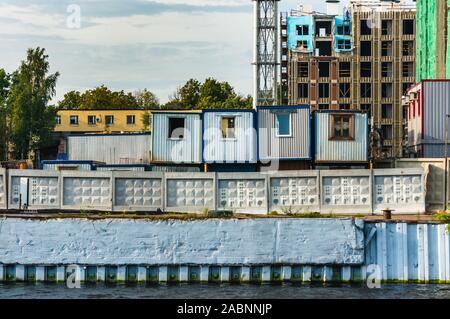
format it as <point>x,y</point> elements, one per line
<point>208,242</point>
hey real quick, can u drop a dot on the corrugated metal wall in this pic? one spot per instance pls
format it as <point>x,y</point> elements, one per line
<point>166,150</point>
<point>409,252</point>
<point>436,99</point>
<point>220,150</point>
<point>110,149</point>
<point>341,151</point>
<point>296,147</point>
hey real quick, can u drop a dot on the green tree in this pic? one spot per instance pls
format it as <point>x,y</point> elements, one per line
<point>71,101</point>
<point>146,100</point>
<point>211,94</point>
<point>4,115</point>
<point>32,122</point>
<point>190,94</point>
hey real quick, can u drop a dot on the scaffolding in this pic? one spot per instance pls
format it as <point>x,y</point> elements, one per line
<point>265,59</point>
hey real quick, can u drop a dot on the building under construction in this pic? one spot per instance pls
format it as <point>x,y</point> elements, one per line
<point>361,57</point>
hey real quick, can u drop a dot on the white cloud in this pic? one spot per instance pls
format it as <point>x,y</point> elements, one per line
<point>227,3</point>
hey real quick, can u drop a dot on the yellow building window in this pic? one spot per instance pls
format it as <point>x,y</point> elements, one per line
<point>73,120</point>
<point>109,119</point>
<point>131,120</point>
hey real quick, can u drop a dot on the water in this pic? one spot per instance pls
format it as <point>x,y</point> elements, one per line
<point>224,291</point>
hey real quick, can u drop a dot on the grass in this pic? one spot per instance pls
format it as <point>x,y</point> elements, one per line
<point>442,216</point>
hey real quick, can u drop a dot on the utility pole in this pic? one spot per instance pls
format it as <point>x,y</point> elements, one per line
<point>265,54</point>
<point>447,116</point>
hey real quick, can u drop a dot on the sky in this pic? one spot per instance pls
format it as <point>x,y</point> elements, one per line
<point>134,44</point>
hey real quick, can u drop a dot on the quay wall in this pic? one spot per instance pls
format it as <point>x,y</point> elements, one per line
<point>224,250</point>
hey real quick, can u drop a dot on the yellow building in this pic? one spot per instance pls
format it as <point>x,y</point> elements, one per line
<point>102,121</point>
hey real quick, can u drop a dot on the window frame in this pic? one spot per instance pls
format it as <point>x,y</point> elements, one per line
<point>74,117</point>
<point>228,118</point>
<point>58,119</point>
<point>277,124</point>
<point>170,132</point>
<point>106,120</point>
<point>94,122</point>
<point>331,130</point>
<point>133,117</point>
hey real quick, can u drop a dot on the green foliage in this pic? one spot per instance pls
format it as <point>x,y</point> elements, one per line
<point>146,100</point>
<point>210,94</point>
<point>105,99</point>
<point>442,216</point>
<point>32,121</point>
<point>4,114</point>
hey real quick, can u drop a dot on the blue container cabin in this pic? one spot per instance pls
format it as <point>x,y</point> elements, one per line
<point>176,137</point>
<point>229,137</point>
<point>284,134</point>
<point>341,137</point>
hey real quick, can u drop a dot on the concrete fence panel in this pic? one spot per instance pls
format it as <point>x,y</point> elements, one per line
<point>242,192</point>
<point>402,190</point>
<point>294,192</point>
<point>346,191</point>
<point>138,191</point>
<point>87,191</point>
<point>34,190</point>
<point>3,190</point>
<point>434,169</point>
<point>189,192</point>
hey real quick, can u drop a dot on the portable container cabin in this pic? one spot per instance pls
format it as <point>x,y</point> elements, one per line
<point>428,104</point>
<point>110,148</point>
<point>341,137</point>
<point>284,133</point>
<point>229,137</point>
<point>176,137</point>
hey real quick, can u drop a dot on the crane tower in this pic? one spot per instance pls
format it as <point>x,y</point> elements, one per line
<point>265,55</point>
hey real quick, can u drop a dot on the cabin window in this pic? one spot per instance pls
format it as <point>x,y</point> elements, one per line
<point>91,119</point>
<point>228,127</point>
<point>283,124</point>
<point>109,119</point>
<point>341,127</point>
<point>131,120</point>
<point>73,120</point>
<point>176,127</point>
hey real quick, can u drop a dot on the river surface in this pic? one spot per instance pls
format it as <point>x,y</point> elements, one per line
<point>225,291</point>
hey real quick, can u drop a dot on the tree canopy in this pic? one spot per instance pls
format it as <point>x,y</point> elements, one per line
<point>31,119</point>
<point>211,94</point>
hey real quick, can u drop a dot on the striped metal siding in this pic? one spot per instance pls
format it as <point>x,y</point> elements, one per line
<point>219,150</point>
<point>341,151</point>
<point>55,167</point>
<point>110,149</point>
<point>436,99</point>
<point>296,147</point>
<point>166,150</point>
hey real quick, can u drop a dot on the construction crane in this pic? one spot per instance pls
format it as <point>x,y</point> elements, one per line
<point>265,55</point>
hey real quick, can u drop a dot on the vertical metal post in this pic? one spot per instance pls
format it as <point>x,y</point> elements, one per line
<point>447,116</point>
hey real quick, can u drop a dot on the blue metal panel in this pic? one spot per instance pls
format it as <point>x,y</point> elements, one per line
<point>339,151</point>
<point>241,149</point>
<point>167,150</point>
<point>230,168</point>
<point>294,38</point>
<point>338,22</point>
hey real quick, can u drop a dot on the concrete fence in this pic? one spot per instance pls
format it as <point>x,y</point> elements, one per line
<point>339,191</point>
<point>434,169</point>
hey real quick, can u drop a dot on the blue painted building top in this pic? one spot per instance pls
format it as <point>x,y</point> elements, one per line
<point>342,34</point>
<point>300,33</point>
